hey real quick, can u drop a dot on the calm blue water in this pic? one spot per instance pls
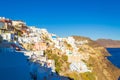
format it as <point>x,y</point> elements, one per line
<point>115,58</point>
<point>13,65</point>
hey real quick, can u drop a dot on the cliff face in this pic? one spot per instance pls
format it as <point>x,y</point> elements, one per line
<point>108,43</point>
<point>101,67</point>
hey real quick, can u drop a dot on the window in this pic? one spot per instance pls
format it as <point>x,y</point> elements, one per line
<point>1,24</point>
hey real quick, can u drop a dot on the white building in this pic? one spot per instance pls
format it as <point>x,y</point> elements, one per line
<point>82,42</point>
<point>51,64</point>
<point>71,41</point>
<point>7,36</point>
<point>18,23</point>
<point>79,67</point>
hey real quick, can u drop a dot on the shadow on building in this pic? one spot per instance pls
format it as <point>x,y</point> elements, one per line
<point>14,65</point>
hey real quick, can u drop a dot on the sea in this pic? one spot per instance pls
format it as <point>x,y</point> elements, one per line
<point>115,56</point>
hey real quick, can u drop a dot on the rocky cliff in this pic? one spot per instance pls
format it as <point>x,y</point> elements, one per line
<point>98,62</point>
<point>108,43</point>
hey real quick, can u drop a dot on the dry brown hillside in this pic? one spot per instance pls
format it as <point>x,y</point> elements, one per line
<point>108,43</point>
<point>101,66</point>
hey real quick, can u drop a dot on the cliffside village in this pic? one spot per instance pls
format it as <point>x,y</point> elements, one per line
<point>16,35</point>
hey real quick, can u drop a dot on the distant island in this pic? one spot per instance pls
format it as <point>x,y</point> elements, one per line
<point>109,43</point>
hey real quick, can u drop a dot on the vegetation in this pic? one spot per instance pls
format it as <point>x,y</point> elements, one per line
<point>79,38</point>
<point>80,49</point>
<point>90,62</point>
<point>19,33</point>
<point>59,60</point>
<point>87,76</point>
<point>68,46</point>
<point>74,76</point>
<point>81,76</point>
<point>65,58</point>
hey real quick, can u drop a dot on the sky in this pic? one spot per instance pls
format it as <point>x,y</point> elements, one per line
<point>91,18</point>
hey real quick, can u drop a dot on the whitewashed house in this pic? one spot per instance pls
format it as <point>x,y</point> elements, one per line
<point>8,36</point>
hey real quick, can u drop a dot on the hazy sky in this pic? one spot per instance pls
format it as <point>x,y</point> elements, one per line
<point>91,18</point>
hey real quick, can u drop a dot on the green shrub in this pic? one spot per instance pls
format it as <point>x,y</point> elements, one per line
<point>65,58</point>
<point>80,49</point>
<point>74,76</point>
<point>59,60</point>
<point>88,76</point>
